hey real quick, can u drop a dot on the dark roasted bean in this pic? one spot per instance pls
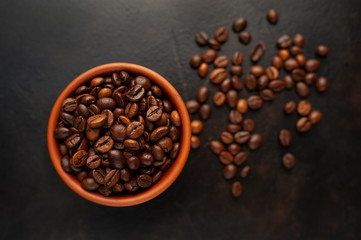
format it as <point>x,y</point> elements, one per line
<point>205,111</point>
<point>220,62</point>
<point>225,157</point>
<point>248,125</point>
<point>237,58</point>
<point>272,16</point>
<point>262,82</point>
<point>258,51</point>
<point>289,82</point>
<point>218,75</point>
<point>235,117</point>
<point>241,137</point>
<point>257,70</point>
<point>298,40</point>
<point>255,141</point>
<point>322,50</point>
<point>214,44</point>
<point>244,37</point>
<point>289,107</point>
<point>285,137</point>
<point>231,98</point>
<point>254,102</point>
<point>303,124</point>
<point>69,105</point>
<point>221,34</point>
<point>202,94</point>
<point>229,171</point>
<point>284,41</point>
<point>267,95</point>
<point>201,38</point>
<point>321,84</point>
<point>209,55</point>
<point>276,85</point>
<point>312,65</point>
<point>240,158</point>
<point>302,89</point>
<point>315,116</point>
<point>195,61</point>
<point>237,189</point>
<point>250,82</point>
<point>219,99</point>
<point>216,147</point>
<point>233,128</point>
<point>288,160</point>
<point>239,24</point>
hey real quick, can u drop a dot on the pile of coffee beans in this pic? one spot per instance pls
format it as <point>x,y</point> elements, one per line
<point>265,81</point>
<point>117,133</point>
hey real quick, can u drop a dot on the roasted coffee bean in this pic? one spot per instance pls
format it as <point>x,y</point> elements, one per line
<point>67,118</point>
<point>118,188</point>
<point>250,82</point>
<point>322,50</point>
<point>166,144</point>
<point>272,16</point>
<point>157,92</point>
<point>83,144</point>
<point>321,84</point>
<point>104,144</point>
<point>65,164</point>
<point>226,137</point>
<point>97,121</point>
<point>192,106</point>
<point>175,118</point>
<point>205,111</point>
<point>285,137</point>
<point>105,191</point>
<point>69,105</point>
<point>106,103</point>
<point>125,175</point>
<point>226,85</point>
<point>146,159</point>
<point>209,55</point>
<point>284,41</point>
<point>298,74</point>
<point>79,158</point>
<point>219,99</point>
<point>116,159</point>
<point>225,157</point>
<point>135,93</point>
<point>290,64</point>
<point>125,77</point>
<point>262,82</point>
<point>116,79</point>
<point>289,107</point>
<point>154,113</point>
<point>255,141</point>
<point>144,181</point>
<point>234,148</point>
<point>298,40</point>
<point>242,106</point>
<point>105,92</point>
<point>157,152</point>
<point>83,111</point>
<point>80,124</point>
<point>244,37</point>
<point>240,158</point>
<point>304,107</point>
<point>315,116</point>
<point>111,178</point>
<point>216,147</point>
<point>301,59</point>
<point>220,62</point>
<point>196,126</point>
<point>312,65</point>
<point>203,70</point>
<point>97,81</point>
<point>248,125</point>
<point>157,176</point>
<point>120,99</point>
<point>241,137</point>
<point>267,95</point>
<point>167,105</point>
<point>295,50</point>
<point>118,132</point>
<point>277,62</point>
<point>233,128</point>
<point>93,161</point>
<point>133,163</point>
<point>272,73</point>
<point>62,133</point>
<point>63,149</point>
<point>258,51</point>
<point>236,70</point>
<point>257,70</point>
<point>310,78</point>
<point>254,102</point>
<point>218,75</point>
<point>88,98</point>
<point>237,189</point>
<point>195,142</point>
<point>244,173</point>
<point>94,109</point>
<point>237,58</point>
<point>174,133</point>
<point>201,38</point>
<point>110,118</point>
<point>166,165</point>
<point>174,153</point>
<point>239,24</point>
<point>289,160</point>
<point>195,61</point>
<point>214,44</point>
<point>132,185</point>
<point>303,124</point>
<point>135,130</point>
<point>284,54</point>
<point>221,34</point>
<point>302,89</point>
<point>229,171</point>
<point>81,175</point>
<point>236,83</point>
<point>89,184</point>
<point>235,117</point>
<point>202,94</point>
<point>288,81</point>
<point>231,98</point>
<point>81,90</point>
<point>92,134</point>
<point>276,85</point>
<point>143,82</point>
<point>73,141</point>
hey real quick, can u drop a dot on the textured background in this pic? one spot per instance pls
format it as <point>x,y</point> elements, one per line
<point>46,44</point>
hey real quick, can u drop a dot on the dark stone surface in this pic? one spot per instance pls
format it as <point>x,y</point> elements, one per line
<point>46,44</point>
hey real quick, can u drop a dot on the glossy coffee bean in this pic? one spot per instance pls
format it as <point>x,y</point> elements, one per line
<point>111,178</point>
<point>196,126</point>
<point>226,85</point>
<point>285,137</point>
<point>301,59</point>
<point>254,102</point>
<point>227,137</point>
<point>248,125</point>
<point>209,55</point>
<point>267,94</point>
<point>312,65</point>
<point>104,144</point>
<point>195,142</point>
<point>272,73</point>
<point>69,105</point>
<point>257,70</point>
<point>242,106</point>
<point>235,117</point>
<point>298,40</point>
<point>322,50</point>
<point>237,189</point>
<point>284,54</point>
<point>304,107</point>
<point>79,158</point>
<point>195,61</point>
<point>218,75</point>
<point>276,85</point>
<point>288,81</point>
<point>202,94</point>
<point>205,111</point>
<point>262,82</point>
<point>277,62</point>
<point>225,157</point>
<point>234,148</point>
<point>289,160</point>
<point>233,128</point>
<point>154,113</point>
<point>241,137</point>
<point>310,78</point>
<point>245,172</point>
<point>290,64</point>
<point>237,58</point>
<point>236,70</point>
<point>284,41</point>
<point>62,133</point>
<point>321,84</point>
<point>272,16</point>
<point>219,98</point>
<point>298,74</point>
<point>118,132</point>
<point>135,130</point>
<point>214,44</point>
<point>303,124</point>
<point>144,181</point>
<point>201,38</point>
<point>250,82</point>
<point>244,37</point>
<point>89,184</point>
<point>296,50</point>
<point>73,141</point>
<point>231,98</point>
<point>220,62</point>
<point>97,121</point>
<point>229,171</point>
<point>315,116</point>
<point>240,158</point>
<point>192,106</point>
<point>93,161</point>
<point>302,89</point>
<point>289,107</point>
<point>258,51</point>
<point>216,147</point>
<point>175,118</point>
<point>106,103</point>
<point>221,34</point>
<point>203,70</point>
<point>236,83</point>
<point>255,141</point>
<point>239,24</point>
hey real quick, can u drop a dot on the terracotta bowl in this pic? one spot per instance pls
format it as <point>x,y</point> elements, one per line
<point>168,178</point>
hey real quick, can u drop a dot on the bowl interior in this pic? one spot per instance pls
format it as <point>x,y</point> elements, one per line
<point>167,179</point>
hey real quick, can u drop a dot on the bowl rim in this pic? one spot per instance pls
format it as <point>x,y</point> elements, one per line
<point>168,178</point>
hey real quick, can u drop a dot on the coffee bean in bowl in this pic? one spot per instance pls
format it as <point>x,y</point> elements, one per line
<point>111,134</point>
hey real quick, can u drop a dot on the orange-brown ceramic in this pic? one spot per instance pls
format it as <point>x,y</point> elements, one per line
<point>168,178</point>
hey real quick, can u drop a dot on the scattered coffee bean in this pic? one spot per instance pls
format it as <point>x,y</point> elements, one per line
<point>254,102</point>
<point>225,157</point>
<point>237,58</point>
<point>250,82</point>
<point>244,173</point>
<point>303,124</point>
<point>312,65</point>
<point>216,147</point>
<point>195,61</point>
<point>289,107</point>
<point>302,89</point>
<point>236,70</point>
<point>237,189</point>
<point>242,106</point>
<point>218,75</point>
<point>290,64</point>
<point>298,74</point>
<point>244,37</point>
<point>234,148</point>
<point>277,62</point>
<point>255,141</point>
<point>195,142</point>
<point>284,41</point>
<point>321,84</point>
<point>267,95</point>
<point>221,34</point>
<point>214,44</point>
<point>258,51</point>
<point>203,70</point>
<point>201,38</point>
<point>239,24</point>
<point>284,54</point>
<point>192,106</point>
<point>226,85</point>
<point>257,70</point>
<point>272,16</point>
<point>248,125</point>
<point>236,83</point>
<point>231,98</point>
<point>219,98</point>
<point>285,137</point>
<point>272,73</point>
<point>288,160</point>
<point>209,55</point>
<point>196,127</point>
<point>233,128</point>
<point>310,78</point>
<point>304,107</point>
<point>262,82</point>
<point>295,50</point>
<point>241,137</point>
<point>240,158</point>
<point>220,62</point>
<point>298,40</point>
<point>289,82</point>
<point>276,85</point>
<point>315,116</point>
<point>235,117</point>
<point>227,138</point>
<point>202,94</point>
<point>322,50</point>
<point>229,171</point>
